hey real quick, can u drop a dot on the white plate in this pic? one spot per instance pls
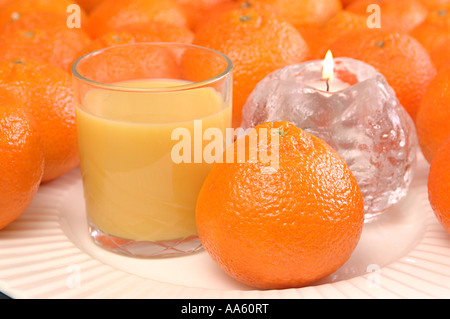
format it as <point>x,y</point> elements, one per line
<point>46,253</point>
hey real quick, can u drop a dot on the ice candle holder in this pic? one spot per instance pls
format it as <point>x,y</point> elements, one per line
<point>350,105</point>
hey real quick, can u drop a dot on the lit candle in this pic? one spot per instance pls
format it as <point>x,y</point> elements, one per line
<point>329,82</point>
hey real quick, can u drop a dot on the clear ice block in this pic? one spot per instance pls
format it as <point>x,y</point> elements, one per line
<point>363,122</point>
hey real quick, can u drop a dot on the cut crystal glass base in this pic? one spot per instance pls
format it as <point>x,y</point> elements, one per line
<point>145,249</point>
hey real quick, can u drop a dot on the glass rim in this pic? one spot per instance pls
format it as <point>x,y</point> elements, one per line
<point>115,87</point>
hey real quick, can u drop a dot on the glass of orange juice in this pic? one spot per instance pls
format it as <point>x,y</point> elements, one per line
<point>142,113</point>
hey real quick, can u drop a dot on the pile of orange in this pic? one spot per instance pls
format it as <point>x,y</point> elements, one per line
<point>37,118</point>
<point>38,139</point>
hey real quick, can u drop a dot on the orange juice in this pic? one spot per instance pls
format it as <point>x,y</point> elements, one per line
<point>133,188</point>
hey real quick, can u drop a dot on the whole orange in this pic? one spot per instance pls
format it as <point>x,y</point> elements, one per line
<point>257,41</point>
<point>345,3</point>
<point>431,4</point>
<point>320,38</point>
<point>435,30</point>
<point>111,15</point>
<point>56,45</point>
<point>284,225</point>
<point>89,5</point>
<point>22,159</point>
<point>433,117</point>
<point>440,54</point>
<point>46,93</point>
<point>142,32</point>
<point>218,10</point>
<point>397,15</point>
<point>35,20</point>
<point>158,31</point>
<point>12,10</point>
<point>3,2</point>
<point>196,9</point>
<point>439,184</point>
<point>304,13</point>
<point>106,40</point>
<point>400,58</point>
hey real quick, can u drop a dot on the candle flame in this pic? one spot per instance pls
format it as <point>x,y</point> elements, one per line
<point>328,67</point>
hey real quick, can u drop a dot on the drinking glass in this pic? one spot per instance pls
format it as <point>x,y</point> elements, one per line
<point>142,112</point>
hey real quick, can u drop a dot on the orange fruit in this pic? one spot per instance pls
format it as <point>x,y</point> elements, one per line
<point>89,5</point>
<point>218,10</point>
<point>12,10</point>
<point>320,38</point>
<point>196,9</point>
<point>46,93</point>
<point>400,58</point>
<point>306,12</point>
<point>111,15</point>
<point>283,227</point>
<point>57,45</point>
<point>257,41</point>
<point>158,31</point>
<point>35,20</point>
<point>439,184</point>
<point>3,2</point>
<point>431,4</point>
<point>435,30</point>
<point>345,3</point>
<point>145,32</point>
<point>433,117</point>
<point>398,15</point>
<point>107,40</point>
<point>22,159</point>
<point>440,54</point>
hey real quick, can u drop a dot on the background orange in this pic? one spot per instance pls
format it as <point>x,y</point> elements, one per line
<point>304,13</point>
<point>111,15</point>
<point>258,42</point>
<point>433,117</point>
<point>435,30</point>
<point>16,8</point>
<point>46,94</point>
<point>21,158</point>
<point>400,58</point>
<point>57,45</point>
<point>397,15</point>
<point>439,184</point>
